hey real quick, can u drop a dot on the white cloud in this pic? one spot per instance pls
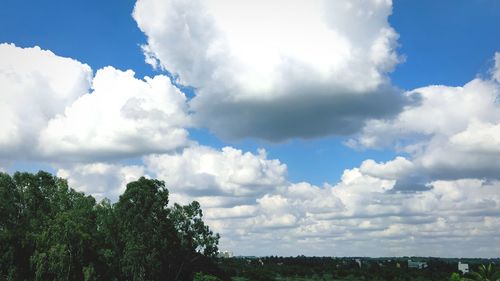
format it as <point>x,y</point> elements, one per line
<point>478,138</point>
<point>35,85</point>
<point>202,171</point>
<point>452,133</point>
<point>315,62</point>
<point>248,200</point>
<point>365,217</point>
<point>448,109</point>
<point>390,170</point>
<point>101,180</point>
<point>53,108</point>
<point>122,116</point>
<point>496,69</point>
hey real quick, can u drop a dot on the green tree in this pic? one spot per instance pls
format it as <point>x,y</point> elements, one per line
<point>486,273</point>
<point>158,242</point>
<point>107,241</point>
<point>10,220</point>
<point>196,239</point>
<point>48,231</point>
<point>146,234</point>
<point>63,231</point>
<point>456,277</point>
<point>194,235</point>
<point>199,276</point>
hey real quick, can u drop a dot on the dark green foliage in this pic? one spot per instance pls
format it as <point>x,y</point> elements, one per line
<point>486,273</point>
<point>303,268</point>
<point>194,235</point>
<point>199,276</point>
<point>51,232</point>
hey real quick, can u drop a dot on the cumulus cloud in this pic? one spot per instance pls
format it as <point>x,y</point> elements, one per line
<point>122,116</point>
<point>36,85</point>
<point>478,138</point>
<point>366,211</point>
<point>53,108</point>
<point>101,180</point>
<point>318,65</point>
<point>247,198</point>
<point>204,171</point>
<point>461,138</point>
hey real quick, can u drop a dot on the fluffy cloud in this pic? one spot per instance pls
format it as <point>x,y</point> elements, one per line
<point>461,138</point>
<point>315,68</point>
<point>121,116</point>
<point>55,109</point>
<point>482,138</point>
<point>202,171</point>
<point>451,110</point>
<point>35,85</point>
<point>247,198</point>
<point>101,180</point>
<point>375,219</point>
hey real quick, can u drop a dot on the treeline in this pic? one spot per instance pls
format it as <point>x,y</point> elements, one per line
<point>302,268</point>
<point>49,231</point>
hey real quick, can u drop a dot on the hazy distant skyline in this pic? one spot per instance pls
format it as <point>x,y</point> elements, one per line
<point>330,128</point>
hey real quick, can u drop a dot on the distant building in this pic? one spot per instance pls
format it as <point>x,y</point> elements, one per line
<point>417,264</point>
<point>225,254</point>
<point>463,267</point>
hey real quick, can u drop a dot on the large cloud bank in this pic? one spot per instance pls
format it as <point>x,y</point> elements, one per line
<point>54,108</point>
<point>277,69</point>
<point>247,198</point>
<point>441,194</point>
<point>453,133</point>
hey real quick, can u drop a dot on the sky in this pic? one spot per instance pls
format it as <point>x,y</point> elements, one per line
<point>327,128</point>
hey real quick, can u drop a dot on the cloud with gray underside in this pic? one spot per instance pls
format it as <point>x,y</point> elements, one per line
<point>314,69</point>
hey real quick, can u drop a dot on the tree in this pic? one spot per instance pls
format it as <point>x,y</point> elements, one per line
<point>456,277</point>
<point>158,242</point>
<point>146,235</point>
<point>199,276</point>
<point>48,231</point>
<point>66,246</point>
<point>10,221</point>
<point>196,239</point>
<point>194,235</point>
<point>486,273</point>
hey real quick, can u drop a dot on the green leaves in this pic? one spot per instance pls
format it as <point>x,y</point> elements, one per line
<point>192,231</point>
<point>50,232</point>
<point>486,273</point>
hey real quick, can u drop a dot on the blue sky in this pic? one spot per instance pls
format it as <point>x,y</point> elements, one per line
<point>440,43</point>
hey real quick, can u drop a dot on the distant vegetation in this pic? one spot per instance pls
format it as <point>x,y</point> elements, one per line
<point>303,268</point>
<point>48,231</point>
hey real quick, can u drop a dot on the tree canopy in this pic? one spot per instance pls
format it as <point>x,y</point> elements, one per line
<point>49,231</point>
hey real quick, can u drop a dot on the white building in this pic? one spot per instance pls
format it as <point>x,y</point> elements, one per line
<point>463,267</point>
